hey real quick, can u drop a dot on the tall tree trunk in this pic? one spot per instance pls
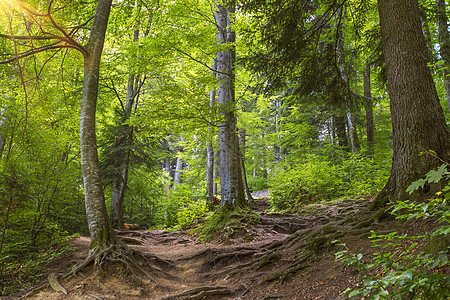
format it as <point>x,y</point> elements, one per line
<point>444,43</point>
<point>369,110</point>
<point>232,189</point>
<point>418,122</point>
<point>100,230</point>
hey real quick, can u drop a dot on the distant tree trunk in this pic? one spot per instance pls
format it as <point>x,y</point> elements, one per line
<point>100,230</point>
<point>244,175</point>
<point>444,43</point>
<point>341,132</point>
<point>125,141</point>
<point>178,170</point>
<point>2,145</point>
<point>369,110</point>
<point>332,130</point>
<point>353,134</point>
<point>216,172</point>
<point>210,149</point>
<point>418,122</point>
<point>231,185</point>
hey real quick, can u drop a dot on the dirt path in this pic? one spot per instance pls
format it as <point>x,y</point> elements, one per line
<point>289,259</point>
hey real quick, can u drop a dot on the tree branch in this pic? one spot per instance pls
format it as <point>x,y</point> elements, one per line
<point>35,51</point>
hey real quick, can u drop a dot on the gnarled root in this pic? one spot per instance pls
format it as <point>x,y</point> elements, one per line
<point>128,260</point>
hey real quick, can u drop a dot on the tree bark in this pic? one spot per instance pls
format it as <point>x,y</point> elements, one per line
<point>418,122</point>
<point>100,230</point>
<point>232,189</point>
<point>369,110</point>
<point>444,43</point>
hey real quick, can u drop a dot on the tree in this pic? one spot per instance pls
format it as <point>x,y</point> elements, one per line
<point>231,184</point>
<point>101,234</point>
<point>418,122</point>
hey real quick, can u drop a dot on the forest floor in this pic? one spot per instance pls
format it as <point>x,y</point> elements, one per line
<point>291,257</point>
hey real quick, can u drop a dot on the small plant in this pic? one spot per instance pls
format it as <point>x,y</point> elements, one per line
<point>408,267</point>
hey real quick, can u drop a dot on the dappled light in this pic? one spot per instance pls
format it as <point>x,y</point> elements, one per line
<point>224,150</point>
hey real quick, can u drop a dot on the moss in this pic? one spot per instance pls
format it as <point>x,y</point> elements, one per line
<point>225,225</point>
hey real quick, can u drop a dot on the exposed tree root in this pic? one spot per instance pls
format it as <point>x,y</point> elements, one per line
<point>131,262</point>
<point>204,292</point>
<point>304,245</point>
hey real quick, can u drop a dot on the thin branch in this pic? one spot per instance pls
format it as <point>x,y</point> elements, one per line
<point>35,51</point>
<point>29,37</point>
<point>198,61</point>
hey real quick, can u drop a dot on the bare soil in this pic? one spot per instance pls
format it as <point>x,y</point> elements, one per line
<point>291,257</point>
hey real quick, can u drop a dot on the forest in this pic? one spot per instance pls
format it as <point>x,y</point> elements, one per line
<point>199,149</point>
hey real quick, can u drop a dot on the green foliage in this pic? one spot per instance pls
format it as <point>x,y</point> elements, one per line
<point>225,225</point>
<point>257,183</point>
<point>318,178</point>
<point>185,205</point>
<point>413,267</point>
<point>27,270</point>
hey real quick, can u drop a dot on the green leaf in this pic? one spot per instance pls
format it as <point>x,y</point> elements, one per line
<point>354,293</point>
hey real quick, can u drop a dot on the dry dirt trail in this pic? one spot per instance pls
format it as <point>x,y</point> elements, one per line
<point>289,258</point>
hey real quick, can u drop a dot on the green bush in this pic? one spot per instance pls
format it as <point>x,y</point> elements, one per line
<point>185,205</point>
<point>257,183</point>
<point>317,179</point>
<point>409,272</point>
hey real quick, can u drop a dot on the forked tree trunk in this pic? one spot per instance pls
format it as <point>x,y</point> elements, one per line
<point>418,122</point>
<point>100,230</point>
<point>232,188</point>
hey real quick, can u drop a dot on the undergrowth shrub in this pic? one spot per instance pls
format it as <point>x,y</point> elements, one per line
<point>409,267</point>
<point>257,183</point>
<point>186,204</point>
<point>317,179</point>
<point>17,273</point>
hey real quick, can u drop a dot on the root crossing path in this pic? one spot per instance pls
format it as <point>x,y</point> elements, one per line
<point>291,257</point>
